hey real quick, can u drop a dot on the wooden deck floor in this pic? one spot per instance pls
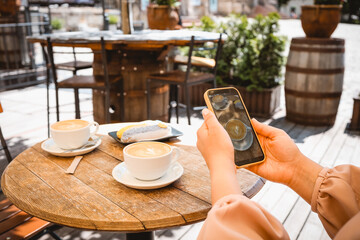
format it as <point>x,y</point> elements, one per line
<point>24,124</point>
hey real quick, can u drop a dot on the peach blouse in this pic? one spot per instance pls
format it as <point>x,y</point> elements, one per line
<point>336,199</point>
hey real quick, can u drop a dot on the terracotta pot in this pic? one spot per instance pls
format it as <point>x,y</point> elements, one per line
<point>162,17</point>
<point>9,7</point>
<point>320,21</point>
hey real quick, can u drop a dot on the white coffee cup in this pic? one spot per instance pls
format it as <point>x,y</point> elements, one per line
<point>149,160</point>
<point>72,134</point>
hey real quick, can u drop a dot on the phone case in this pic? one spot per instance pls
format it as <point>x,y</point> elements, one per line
<point>208,104</point>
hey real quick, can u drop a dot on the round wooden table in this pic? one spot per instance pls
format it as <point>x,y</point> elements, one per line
<point>133,57</point>
<point>36,182</point>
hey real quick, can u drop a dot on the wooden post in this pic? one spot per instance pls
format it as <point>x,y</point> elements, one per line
<point>355,120</point>
<point>126,17</point>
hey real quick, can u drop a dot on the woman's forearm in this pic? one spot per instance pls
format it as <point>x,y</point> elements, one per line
<point>304,178</point>
<point>223,183</point>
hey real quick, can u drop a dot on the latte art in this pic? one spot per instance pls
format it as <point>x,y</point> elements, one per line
<point>68,125</point>
<point>148,150</point>
<point>236,129</point>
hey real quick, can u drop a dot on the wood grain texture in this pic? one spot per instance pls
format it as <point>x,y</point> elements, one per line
<point>36,182</point>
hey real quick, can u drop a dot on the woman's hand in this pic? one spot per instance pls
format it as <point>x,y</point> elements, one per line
<point>284,163</point>
<point>216,147</point>
<point>282,154</point>
<point>215,144</point>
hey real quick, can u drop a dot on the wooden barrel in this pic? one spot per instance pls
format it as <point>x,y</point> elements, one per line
<point>314,80</point>
<point>133,66</point>
<point>10,45</point>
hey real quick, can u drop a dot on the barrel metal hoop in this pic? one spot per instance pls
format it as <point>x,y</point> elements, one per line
<point>141,93</point>
<point>320,95</point>
<point>315,71</point>
<point>322,50</point>
<point>316,117</point>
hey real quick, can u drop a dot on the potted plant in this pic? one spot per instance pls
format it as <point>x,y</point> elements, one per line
<point>252,60</point>
<point>113,20</point>
<point>320,20</point>
<point>163,15</point>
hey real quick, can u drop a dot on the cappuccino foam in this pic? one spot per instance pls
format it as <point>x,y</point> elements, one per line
<point>148,149</point>
<point>68,125</point>
<point>236,129</point>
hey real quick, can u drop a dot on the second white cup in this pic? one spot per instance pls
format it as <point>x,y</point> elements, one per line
<point>149,160</point>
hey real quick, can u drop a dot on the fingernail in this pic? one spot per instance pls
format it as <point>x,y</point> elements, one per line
<point>205,112</point>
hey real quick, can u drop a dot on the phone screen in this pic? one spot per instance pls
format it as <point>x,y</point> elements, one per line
<point>231,114</point>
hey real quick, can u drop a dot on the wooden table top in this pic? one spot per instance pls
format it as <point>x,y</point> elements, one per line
<point>36,182</point>
<point>149,37</point>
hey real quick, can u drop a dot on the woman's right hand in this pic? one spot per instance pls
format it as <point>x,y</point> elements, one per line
<point>284,163</point>
<point>282,154</point>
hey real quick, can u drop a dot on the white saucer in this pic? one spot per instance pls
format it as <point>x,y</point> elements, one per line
<point>122,175</point>
<point>245,143</point>
<point>50,147</point>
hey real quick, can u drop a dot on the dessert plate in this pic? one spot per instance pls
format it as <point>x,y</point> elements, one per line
<point>122,175</point>
<point>50,147</point>
<point>245,143</point>
<point>173,133</point>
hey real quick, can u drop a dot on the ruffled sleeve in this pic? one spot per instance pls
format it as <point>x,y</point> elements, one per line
<point>336,198</point>
<point>237,217</point>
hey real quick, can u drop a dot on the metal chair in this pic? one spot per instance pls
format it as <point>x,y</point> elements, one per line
<point>3,142</point>
<point>178,78</point>
<point>74,65</point>
<point>77,82</point>
<point>16,224</point>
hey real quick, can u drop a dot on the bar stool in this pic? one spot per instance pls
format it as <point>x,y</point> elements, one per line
<point>77,82</point>
<point>177,78</point>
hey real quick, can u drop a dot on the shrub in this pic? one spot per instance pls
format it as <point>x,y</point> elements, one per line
<point>113,19</point>
<point>56,24</point>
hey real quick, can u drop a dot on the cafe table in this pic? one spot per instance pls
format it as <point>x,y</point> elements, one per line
<point>36,182</point>
<point>133,57</point>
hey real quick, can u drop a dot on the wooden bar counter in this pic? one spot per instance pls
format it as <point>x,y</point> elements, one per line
<point>133,57</point>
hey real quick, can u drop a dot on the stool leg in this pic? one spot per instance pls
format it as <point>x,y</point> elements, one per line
<point>172,93</point>
<point>5,147</point>
<point>48,101</point>
<point>177,103</point>
<point>148,103</point>
<point>57,103</point>
<point>122,100</point>
<point>107,105</point>
<point>187,99</point>
<point>77,103</point>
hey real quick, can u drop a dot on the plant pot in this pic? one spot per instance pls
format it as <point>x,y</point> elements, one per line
<point>196,94</point>
<point>9,7</point>
<point>261,103</point>
<point>320,21</point>
<point>355,120</point>
<point>162,17</point>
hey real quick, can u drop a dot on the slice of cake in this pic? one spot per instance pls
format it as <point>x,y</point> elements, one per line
<point>148,130</point>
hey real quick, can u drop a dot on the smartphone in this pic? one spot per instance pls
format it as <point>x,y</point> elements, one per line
<point>230,110</point>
